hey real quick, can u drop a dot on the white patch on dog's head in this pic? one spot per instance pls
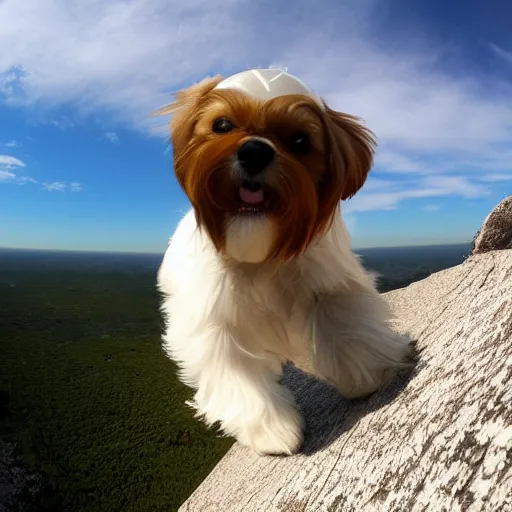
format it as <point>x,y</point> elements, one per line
<point>266,84</point>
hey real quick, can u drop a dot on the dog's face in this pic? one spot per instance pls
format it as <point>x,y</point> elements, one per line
<point>264,177</point>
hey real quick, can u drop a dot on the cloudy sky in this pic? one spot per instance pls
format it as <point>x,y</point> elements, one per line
<point>83,167</point>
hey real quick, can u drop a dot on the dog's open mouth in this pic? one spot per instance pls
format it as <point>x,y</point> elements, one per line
<point>252,198</point>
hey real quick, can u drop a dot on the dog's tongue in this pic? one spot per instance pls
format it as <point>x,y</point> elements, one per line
<point>249,197</point>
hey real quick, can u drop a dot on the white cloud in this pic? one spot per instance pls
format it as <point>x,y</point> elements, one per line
<point>7,175</point>
<point>9,166</point>
<point>393,161</point>
<point>377,184</point>
<point>431,208</point>
<point>12,144</point>
<point>8,81</point>
<point>8,161</point>
<point>61,122</point>
<point>125,57</point>
<point>56,186</point>
<point>11,177</point>
<point>23,180</point>
<point>455,184</point>
<point>501,52</point>
<point>425,187</point>
<point>493,177</point>
<point>112,137</point>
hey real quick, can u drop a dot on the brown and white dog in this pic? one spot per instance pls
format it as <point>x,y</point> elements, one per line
<point>261,270</point>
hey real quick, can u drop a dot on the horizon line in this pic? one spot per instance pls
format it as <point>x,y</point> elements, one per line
<point>155,253</point>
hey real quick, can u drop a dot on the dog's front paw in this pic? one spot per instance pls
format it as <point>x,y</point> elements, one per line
<point>277,433</point>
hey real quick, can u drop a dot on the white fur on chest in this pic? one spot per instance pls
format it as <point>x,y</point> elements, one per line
<point>268,306</point>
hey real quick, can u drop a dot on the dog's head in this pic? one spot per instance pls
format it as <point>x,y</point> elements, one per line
<point>265,174</point>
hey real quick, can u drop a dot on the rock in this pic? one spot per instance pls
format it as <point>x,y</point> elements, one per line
<point>438,439</point>
<point>496,231</point>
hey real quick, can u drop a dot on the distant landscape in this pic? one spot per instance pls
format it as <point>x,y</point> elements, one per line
<point>87,397</point>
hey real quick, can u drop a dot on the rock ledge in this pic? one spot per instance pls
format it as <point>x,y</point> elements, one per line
<point>438,439</point>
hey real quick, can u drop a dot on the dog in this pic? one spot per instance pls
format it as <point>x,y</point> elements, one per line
<point>260,271</point>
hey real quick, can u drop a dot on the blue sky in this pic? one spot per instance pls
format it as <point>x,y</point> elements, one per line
<point>82,166</point>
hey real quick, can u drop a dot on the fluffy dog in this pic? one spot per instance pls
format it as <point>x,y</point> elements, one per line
<point>261,270</point>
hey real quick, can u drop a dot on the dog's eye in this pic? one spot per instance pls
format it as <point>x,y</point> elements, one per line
<point>222,125</point>
<point>300,143</point>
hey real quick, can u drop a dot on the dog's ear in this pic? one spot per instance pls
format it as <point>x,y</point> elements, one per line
<point>351,148</point>
<point>189,97</point>
<point>184,110</point>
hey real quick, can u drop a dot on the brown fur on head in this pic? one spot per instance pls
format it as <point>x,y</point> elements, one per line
<point>302,190</point>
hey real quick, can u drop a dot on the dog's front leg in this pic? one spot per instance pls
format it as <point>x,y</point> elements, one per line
<point>241,391</point>
<point>354,347</point>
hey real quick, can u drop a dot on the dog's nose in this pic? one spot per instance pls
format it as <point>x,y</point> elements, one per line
<point>254,155</point>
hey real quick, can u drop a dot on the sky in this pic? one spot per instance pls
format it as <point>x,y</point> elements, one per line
<point>84,167</point>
